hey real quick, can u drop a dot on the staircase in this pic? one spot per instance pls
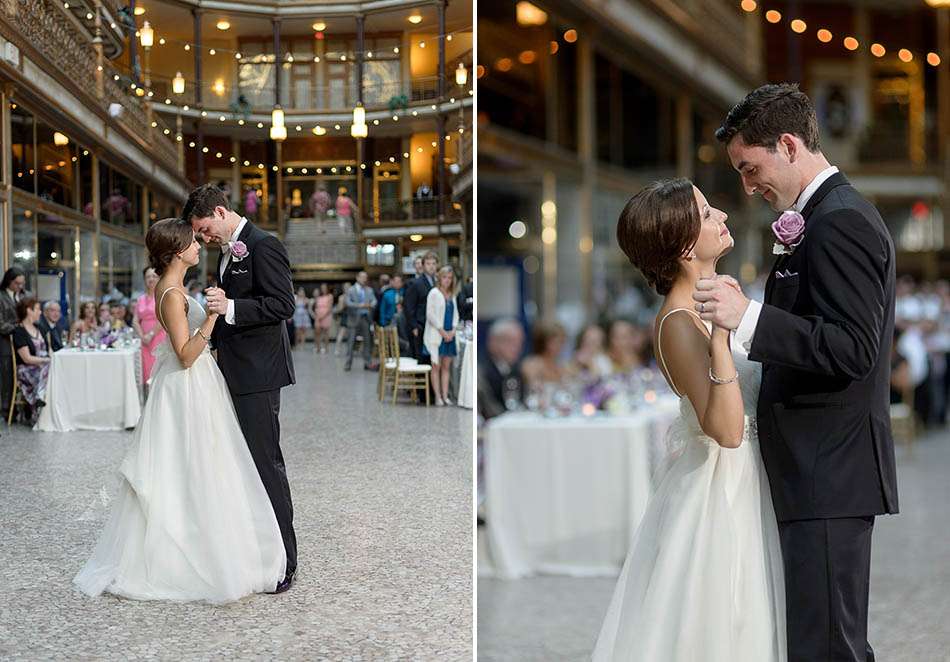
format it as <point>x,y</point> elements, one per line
<point>312,241</point>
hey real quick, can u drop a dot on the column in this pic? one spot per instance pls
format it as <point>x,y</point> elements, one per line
<point>278,154</point>
<point>549,243</point>
<point>199,127</point>
<point>97,47</point>
<point>7,169</point>
<point>360,142</point>
<point>235,173</point>
<point>586,146</point>
<point>943,114</point>
<point>97,208</point>
<point>440,119</point>
<point>684,136</point>
<point>133,45</point>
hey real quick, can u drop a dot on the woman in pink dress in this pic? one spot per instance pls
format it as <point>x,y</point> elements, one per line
<point>322,318</point>
<point>146,323</point>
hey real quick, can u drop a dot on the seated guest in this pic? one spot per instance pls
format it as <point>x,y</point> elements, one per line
<point>51,325</point>
<point>32,356</point>
<point>500,384</point>
<point>625,344</point>
<point>119,311</point>
<point>87,322</point>
<point>544,365</point>
<point>105,318</point>
<point>391,301</point>
<point>590,359</point>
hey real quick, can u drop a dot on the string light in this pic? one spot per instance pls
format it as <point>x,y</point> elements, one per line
<point>773,16</point>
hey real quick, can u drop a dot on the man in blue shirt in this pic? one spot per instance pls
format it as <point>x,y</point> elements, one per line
<point>391,301</point>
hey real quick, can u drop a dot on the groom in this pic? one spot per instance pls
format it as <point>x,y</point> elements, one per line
<point>251,339</point>
<point>823,336</point>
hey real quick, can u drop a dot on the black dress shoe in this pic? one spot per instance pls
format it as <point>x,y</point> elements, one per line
<point>286,582</point>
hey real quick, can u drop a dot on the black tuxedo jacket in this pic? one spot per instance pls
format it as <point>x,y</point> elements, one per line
<point>414,302</point>
<point>254,352</point>
<point>824,339</point>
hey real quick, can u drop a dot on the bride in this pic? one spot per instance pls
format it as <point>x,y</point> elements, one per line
<point>703,579</point>
<point>192,520</point>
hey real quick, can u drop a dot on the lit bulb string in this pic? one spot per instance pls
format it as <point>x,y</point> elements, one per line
<point>528,57</point>
<point>392,159</point>
<point>824,35</point>
<point>288,57</point>
<point>263,121</point>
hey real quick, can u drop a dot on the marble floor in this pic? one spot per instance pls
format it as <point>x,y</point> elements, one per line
<point>558,618</point>
<point>382,499</point>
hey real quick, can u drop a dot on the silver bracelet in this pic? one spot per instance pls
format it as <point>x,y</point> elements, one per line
<point>717,380</point>
<point>208,340</point>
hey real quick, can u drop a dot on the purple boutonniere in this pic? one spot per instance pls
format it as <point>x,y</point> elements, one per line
<point>238,250</point>
<point>789,231</point>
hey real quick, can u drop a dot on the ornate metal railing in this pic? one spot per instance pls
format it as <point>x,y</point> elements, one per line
<point>42,27</point>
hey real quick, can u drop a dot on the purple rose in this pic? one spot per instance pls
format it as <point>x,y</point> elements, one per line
<point>238,250</point>
<point>789,228</point>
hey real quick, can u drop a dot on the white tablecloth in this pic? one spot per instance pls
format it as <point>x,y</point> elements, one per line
<point>565,496</point>
<point>466,393</point>
<point>96,390</point>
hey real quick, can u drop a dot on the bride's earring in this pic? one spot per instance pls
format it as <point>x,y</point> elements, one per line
<point>690,256</point>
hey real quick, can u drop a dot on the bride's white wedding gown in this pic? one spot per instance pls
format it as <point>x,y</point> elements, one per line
<point>703,579</point>
<point>192,520</point>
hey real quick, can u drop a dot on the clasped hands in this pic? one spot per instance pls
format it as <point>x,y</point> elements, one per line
<point>217,300</point>
<point>719,299</point>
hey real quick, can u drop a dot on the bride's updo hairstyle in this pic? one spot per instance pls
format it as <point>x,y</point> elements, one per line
<point>657,227</point>
<point>166,239</point>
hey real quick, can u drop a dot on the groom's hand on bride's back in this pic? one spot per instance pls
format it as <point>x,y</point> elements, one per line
<point>720,300</point>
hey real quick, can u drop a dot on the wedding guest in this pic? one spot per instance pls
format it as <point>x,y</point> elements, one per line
<point>105,317</point>
<point>302,320</point>
<point>146,325</point>
<point>11,289</point>
<point>87,322</point>
<point>52,326</point>
<point>319,203</point>
<point>346,209</point>
<point>118,312</point>
<point>544,365</point>
<point>391,301</point>
<point>32,356</point>
<point>625,344</point>
<point>441,324</point>
<point>414,304</point>
<point>322,308</point>
<point>341,315</point>
<point>360,300</point>
<point>500,383</point>
<point>417,267</point>
<point>590,359</point>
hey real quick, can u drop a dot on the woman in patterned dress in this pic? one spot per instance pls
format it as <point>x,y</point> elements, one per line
<point>32,356</point>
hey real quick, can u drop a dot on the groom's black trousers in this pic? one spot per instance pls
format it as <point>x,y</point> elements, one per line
<point>827,574</point>
<point>258,415</point>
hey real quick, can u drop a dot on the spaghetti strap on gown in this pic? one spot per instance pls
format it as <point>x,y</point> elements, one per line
<point>191,520</point>
<point>703,579</point>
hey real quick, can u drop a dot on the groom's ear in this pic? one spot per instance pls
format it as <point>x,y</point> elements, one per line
<point>788,146</point>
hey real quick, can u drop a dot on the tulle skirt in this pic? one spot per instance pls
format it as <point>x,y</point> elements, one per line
<point>704,578</point>
<point>191,520</point>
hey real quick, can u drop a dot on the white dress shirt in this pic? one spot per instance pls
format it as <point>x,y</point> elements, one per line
<point>750,319</point>
<point>229,316</point>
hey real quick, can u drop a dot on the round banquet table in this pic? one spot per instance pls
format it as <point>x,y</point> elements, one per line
<point>565,495</point>
<point>93,390</point>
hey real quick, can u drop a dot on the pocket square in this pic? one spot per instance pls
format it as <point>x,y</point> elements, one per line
<point>785,274</point>
<point>238,272</point>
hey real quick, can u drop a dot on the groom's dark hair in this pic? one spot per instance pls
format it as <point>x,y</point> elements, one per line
<point>202,201</point>
<point>768,112</point>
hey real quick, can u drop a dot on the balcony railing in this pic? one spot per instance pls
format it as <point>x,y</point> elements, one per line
<point>43,27</point>
<point>394,210</point>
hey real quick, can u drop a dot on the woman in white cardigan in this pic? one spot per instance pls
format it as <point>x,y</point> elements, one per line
<point>442,319</point>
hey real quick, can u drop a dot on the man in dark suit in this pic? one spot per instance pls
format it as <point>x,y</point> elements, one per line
<point>51,325</point>
<point>466,301</point>
<point>500,383</point>
<point>823,336</point>
<point>414,303</point>
<point>251,339</point>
